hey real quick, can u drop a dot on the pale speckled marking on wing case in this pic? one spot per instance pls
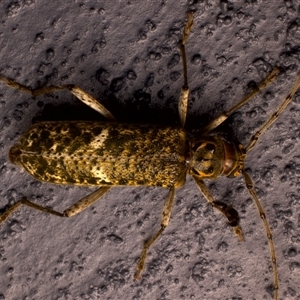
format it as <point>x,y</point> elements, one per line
<point>96,153</point>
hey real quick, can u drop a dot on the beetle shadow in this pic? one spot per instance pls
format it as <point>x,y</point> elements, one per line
<point>137,109</point>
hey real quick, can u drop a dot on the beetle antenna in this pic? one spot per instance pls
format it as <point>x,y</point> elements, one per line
<point>250,187</point>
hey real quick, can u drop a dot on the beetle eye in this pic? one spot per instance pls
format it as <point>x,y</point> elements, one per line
<point>195,171</point>
<point>196,146</point>
<point>210,170</point>
<point>210,147</point>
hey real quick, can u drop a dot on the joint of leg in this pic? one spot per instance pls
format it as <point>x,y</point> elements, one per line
<point>249,186</point>
<point>263,216</point>
<point>23,200</point>
<point>65,214</point>
<point>233,222</point>
<point>69,86</point>
<point>220,205</point>
<point>232,216</point>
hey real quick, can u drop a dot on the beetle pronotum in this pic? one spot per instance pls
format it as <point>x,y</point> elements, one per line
<point>107,154</point>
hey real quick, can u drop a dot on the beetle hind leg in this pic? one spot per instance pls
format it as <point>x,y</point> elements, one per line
<point>4,216</point>
<point>164,223</point>
<point>75,90</point>
<point>76,208</point>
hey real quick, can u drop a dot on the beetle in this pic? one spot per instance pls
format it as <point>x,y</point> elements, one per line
<point>108,154</point>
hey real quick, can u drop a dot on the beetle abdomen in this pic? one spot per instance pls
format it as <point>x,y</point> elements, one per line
<point>96,153</point>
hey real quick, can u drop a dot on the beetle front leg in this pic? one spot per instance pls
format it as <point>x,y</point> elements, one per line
<point>229,212</point>
<point>76,208</point>
<point>185,91</point>
<point>164,223</point>
<point>75,90</point>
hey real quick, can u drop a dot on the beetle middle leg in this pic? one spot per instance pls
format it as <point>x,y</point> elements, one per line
<point>166,214</point>
<point>75,90</point>
<point>182,108</point>
<point>74,209</point>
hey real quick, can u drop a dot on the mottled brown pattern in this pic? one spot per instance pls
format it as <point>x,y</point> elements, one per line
<point>96,153</point>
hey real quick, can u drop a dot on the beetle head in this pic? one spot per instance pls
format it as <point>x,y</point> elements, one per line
<point>14,155</point>
<point>207,157</point>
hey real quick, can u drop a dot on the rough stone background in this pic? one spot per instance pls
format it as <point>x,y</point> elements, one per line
<point>125,53</point>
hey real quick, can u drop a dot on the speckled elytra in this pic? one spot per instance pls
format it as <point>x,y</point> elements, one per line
<point>108,154</point>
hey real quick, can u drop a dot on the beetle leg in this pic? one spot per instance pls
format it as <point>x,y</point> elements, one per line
<point>221,118</point>
<point>75,90</point>
<point>164,223</point>
<point>69,212</point>
<point>85,202</point>
<point>229,212</point>
<point>249,185</point>
<point>184,94</point>
<point>24,201</point>
<point>274,117</point>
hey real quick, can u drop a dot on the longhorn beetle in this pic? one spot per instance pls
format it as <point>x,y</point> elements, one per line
<point>108,154</point>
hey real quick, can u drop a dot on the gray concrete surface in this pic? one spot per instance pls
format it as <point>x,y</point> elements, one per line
<point>125,53</point>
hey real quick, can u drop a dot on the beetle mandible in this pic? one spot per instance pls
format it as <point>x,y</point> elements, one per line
<point>108,154</point>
